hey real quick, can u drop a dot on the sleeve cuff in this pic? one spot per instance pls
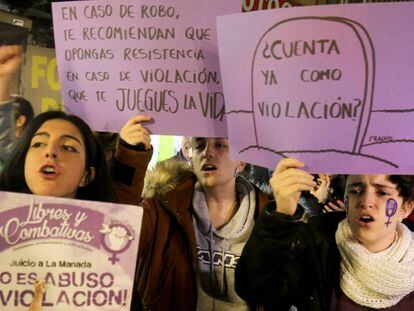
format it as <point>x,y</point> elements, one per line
<point>270,210</point>
<point>139,147</point>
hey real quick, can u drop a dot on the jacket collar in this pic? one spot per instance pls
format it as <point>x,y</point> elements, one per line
<point>180,198</point>
<point>165,177</point>
<point>172,181</point>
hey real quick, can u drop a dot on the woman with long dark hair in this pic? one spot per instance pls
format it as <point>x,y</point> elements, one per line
<point>58,151</point>
<point>58,154</point>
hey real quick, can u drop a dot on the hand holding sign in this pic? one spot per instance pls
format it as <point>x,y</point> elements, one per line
<point>39,292</point>
<point>134,133</point>
<point>287,182</point>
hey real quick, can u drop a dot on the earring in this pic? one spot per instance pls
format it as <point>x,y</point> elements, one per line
<point>85,181</point>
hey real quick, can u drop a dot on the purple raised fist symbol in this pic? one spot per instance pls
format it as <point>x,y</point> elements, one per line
<point>116,239</point>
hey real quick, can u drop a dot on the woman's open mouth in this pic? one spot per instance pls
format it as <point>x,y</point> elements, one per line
<point>48,171</point>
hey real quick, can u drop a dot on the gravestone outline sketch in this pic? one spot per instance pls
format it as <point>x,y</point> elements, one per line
<point>367,102</point>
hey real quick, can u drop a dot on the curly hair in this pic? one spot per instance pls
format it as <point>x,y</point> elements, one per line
<point>405,186</point>
<point>404,183</point>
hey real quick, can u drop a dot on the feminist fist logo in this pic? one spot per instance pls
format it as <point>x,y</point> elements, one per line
<point>116,239</point>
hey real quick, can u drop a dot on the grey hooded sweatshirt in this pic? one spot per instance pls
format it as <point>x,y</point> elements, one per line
<point>219,250</point>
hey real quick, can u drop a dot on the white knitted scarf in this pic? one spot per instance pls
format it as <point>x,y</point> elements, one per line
<point>376,280</point>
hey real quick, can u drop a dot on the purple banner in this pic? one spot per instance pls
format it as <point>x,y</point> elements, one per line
<point>85,251</point>
<point>117,59</point>
<point>330,85</point>
<point>44,221</point>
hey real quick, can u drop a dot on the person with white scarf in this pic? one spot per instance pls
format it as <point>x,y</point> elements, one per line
<point>361,259</point>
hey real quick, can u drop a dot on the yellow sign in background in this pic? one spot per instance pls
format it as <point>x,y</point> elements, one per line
<point>40,81</point>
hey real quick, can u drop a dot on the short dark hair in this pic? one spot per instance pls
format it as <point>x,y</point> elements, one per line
<point>405,186</point>
<point>23,107</point>
<point>99,189</point>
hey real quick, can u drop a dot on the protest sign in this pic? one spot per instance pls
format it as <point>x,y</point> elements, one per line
<point>85,251</point>
<point>325,84</point>
<point>254,5</point>
<point>123,58</point>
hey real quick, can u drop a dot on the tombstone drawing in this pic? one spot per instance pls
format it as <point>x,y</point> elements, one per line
<point>290,87</point>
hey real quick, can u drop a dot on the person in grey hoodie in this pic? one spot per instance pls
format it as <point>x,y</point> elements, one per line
<point>223,220</point>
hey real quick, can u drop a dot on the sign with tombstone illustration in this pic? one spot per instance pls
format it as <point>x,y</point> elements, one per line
<point>319,84</point>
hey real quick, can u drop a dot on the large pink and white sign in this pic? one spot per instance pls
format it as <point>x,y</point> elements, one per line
<point>85,251</point>
<point>117,59</point>
<point>330,85</point>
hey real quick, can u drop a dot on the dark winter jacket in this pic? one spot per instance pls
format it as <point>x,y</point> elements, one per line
<point>280,265</point>
<point>166,277</point>
<point>128,171</point>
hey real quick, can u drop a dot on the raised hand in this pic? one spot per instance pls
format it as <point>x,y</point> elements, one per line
<point>10,62</point>
<point>287,182</point>
<point>135,133</point>
<point>10,59</point>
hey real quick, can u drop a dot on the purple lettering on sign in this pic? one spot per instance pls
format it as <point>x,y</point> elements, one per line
<point>390,209</point>
<point>298,78</point>
<point>153,57</point>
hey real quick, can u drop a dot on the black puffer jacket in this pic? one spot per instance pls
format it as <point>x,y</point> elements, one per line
<point>287,263</point>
